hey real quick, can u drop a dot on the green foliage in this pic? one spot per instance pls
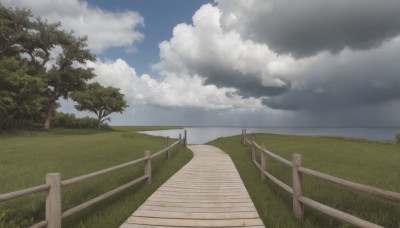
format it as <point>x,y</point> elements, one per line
<point>26,44</point>
<point>64,77</point>
<point>73,153</point>
<point>14,27</point>
<point>398,138</point>
<point>100,100</point>
<point>20,94</point>
<point>71,121</point>
<point>372,163</point>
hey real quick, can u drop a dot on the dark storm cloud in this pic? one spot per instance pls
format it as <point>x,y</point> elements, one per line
<point>345,81</point>
<point>367,74</point>
<point>248,84</point>
<point>306,27</point>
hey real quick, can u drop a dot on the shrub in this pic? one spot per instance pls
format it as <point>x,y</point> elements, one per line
<point>69,120</point>
<point>398,137</point>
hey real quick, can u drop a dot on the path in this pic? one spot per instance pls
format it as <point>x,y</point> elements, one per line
<point>206,192</point>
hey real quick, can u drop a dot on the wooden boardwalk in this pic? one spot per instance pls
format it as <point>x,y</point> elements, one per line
<point>206,192</point>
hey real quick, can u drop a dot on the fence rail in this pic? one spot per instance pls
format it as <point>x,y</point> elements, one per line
<point>297,189</point>
<point>53,186</point>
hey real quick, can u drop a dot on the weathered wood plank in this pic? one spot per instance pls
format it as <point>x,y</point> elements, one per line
<point>194,222</point>
<point>196,215</point>
<point>204,196</point>
<point>207,192</point>
<point>194,200</point>
<point>198,209</point>
<point>204,205</point>
<point>126,225</point>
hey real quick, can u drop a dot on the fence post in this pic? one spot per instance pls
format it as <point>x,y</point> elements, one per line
<point>185,139</point>
<point>147,166</point>
<point>263,163</point>
<point>253,151</point>
<point>53,200</point>
<point>253,147</point>
<point>168,151</point>
<point>297,187</point>
<point>180,138</point>
<point>243,141</point>
<point>244,137</point>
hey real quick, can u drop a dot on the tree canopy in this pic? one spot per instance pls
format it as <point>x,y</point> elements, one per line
<point>39,63</point>
<point>100,100</point>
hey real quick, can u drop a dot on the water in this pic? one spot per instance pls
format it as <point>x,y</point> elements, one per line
<point>200,135</point>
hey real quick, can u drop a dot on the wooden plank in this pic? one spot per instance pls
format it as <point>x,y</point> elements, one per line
<point>194,222</point>
<point>200,193</point>
<point>198,209</point>
<point>200,196</point>
<point>126,225</point>
<point>196,215</point>
<point>205,188</point>
<point>207,192</point>
<point>197,200</point>
<point>204,205</point>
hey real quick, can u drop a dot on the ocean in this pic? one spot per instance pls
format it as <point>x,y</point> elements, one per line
<point>201,135</point>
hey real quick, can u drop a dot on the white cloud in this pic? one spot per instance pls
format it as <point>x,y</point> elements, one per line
<point>205,46</point>
<point>174,91</point>
<point>104,29</point>
<point>217,48</point>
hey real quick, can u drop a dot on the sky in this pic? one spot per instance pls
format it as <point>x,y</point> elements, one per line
<point>303,63</point>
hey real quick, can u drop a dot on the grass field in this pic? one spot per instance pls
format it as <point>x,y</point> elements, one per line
<point>367,162</point>
<point>27,157</point>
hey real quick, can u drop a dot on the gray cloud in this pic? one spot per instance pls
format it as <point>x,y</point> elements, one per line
<point>345,81</point>
<point>306,27</point>
<point>249,84</point>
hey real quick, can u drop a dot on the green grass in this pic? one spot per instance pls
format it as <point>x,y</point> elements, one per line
<point>368,162</point>
<point>26,158</point>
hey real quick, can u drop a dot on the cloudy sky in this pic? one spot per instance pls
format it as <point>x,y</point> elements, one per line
<point>242,62</point>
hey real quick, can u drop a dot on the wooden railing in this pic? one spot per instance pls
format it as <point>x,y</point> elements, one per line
<point>52,188</point>
<point>297,185</point>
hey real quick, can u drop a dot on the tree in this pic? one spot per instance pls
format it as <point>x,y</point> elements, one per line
<point>100,100</point>
<point>20,94</point>
<point>31,41</point>
<point>65,76</point>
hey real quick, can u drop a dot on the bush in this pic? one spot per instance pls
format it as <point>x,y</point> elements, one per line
<point>69,120</point>
<point>398,137</point>
<point>15,125</point>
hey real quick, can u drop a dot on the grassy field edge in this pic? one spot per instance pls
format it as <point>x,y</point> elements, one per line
<point>26,158</point>
<point>361,161</point>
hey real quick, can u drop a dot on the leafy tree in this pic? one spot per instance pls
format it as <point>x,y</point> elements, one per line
<point>20,33</point>
<point>14,27</point>
<point>64,77</point>
<point>100,100</point>
<point>20,93</point>
<point>31,41</point>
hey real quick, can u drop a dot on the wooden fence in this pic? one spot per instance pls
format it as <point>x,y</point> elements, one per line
<point>297,185</point>
<point>52,188</point>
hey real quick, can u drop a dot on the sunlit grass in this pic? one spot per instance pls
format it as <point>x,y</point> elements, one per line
<point>363,161</point>
<point>26,158</point>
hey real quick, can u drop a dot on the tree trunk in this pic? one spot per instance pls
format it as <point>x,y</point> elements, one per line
<point>98,123</point>
<point>50,107</point>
